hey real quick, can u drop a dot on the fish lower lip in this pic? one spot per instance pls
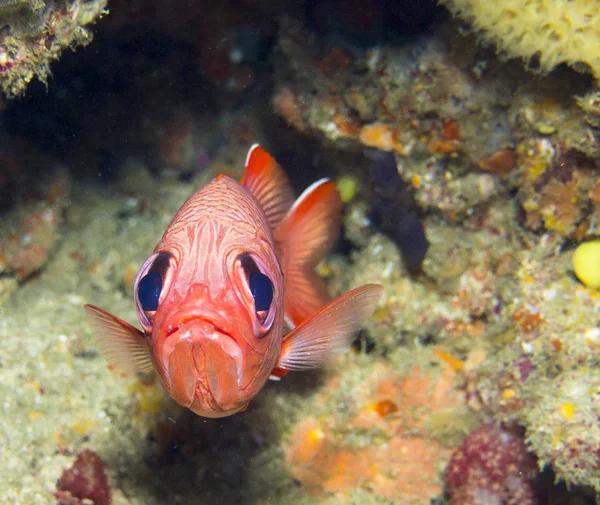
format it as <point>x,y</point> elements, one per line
<point>230,346</point>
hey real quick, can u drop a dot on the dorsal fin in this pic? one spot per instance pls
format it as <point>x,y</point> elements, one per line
<point>268,183</point>
<point>306,233</point>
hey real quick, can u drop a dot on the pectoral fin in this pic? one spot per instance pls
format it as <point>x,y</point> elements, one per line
<point>268,183</point>
<point>328,331</point>
<point>121,344</point>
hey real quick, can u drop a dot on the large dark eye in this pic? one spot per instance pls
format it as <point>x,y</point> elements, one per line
<point>260,286</point>
<point>151,280</point>
<point>149,289</point>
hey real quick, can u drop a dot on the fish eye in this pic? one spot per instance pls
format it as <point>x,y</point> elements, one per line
<point>261,288</point>
<point>149,285</point>
<point>148,291</point>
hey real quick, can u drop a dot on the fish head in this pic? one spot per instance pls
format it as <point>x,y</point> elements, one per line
<point>210,299</point>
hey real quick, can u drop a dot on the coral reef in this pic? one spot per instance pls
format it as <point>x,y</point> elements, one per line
<point>459,143</point>
<point>36,32</point>
<point>492,466</point>
<point>562,424</point>
<point>544,376</point>
<point>491,183</point>
<point>505,187</point>
<point>558,31</point>
<point>557,190</point>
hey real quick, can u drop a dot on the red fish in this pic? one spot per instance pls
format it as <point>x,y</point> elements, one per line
<point>229,296</point>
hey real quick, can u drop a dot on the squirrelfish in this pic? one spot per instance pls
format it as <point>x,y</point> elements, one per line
<point>229,297</point>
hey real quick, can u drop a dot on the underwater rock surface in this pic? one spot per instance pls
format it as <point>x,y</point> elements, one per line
<point>484,332</point>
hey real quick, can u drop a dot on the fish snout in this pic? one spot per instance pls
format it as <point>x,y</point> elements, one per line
<point>203,368</point>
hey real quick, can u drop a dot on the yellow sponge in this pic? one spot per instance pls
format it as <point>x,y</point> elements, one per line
<point>560,31</point>
<point>586,263</point>
<point>347,185</point>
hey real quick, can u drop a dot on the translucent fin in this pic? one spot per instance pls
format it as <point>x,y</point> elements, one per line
<point>268,183</point>
<point>330,330</point>
<point>121,344</point>
<point>306,233</point>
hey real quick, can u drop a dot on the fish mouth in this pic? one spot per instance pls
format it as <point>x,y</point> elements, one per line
<point>209,341</point>
<point>174,328</point>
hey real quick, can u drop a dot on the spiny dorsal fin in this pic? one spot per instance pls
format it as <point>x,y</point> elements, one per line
<point>268,183</point>
<point>306,233</point>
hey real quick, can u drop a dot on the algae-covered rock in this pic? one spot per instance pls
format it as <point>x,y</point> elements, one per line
<point>563,428</point>
<point>36,32</point>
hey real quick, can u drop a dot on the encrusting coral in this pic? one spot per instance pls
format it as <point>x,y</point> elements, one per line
<point>559,31</point>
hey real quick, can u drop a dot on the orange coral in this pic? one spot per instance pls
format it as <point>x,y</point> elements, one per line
<point>451,360</point>
<point>461,328</point>
<point>559,208</point>
<point>451,130</point>
<point>401,462</point>
<point>346,127</point>
<point>382,136</point>
<point>527,319</point>
<point>402,469</point>
<point>444,146</point>
<point>385,407</point>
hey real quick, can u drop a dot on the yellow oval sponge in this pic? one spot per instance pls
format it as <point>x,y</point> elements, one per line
<point>347,185</point>
<point>560,31</point>
<point>586,263</point>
